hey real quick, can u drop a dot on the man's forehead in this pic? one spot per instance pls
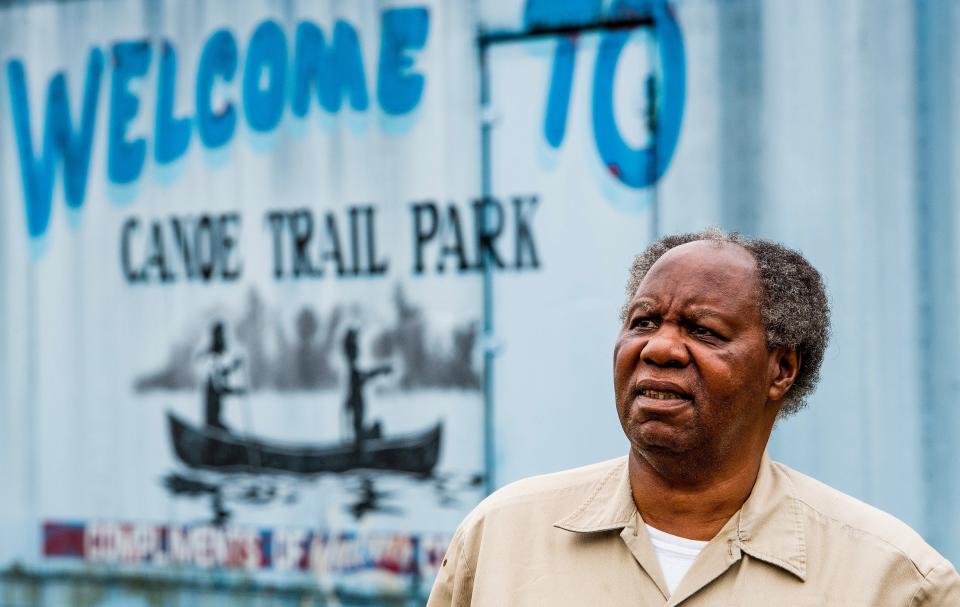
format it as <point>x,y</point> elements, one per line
<point>715,250</point>
<point>710,277</point>
<point>706,261</point>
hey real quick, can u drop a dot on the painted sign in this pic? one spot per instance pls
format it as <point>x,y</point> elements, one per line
<point>266,327</point>
<point>243,255</point>
<point>244,548</point>
<point>277,75</point>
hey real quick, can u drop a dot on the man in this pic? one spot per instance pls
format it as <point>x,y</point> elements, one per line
<point>722,336</point>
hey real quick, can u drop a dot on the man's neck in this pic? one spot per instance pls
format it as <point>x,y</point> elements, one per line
<point>691,507</point>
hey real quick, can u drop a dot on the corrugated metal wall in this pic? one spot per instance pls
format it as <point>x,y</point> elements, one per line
<point>828,125</point>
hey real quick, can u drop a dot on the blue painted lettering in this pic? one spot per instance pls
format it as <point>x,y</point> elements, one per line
<point>641,167</point>
<point>266,56</point>
<point>330,68</point>
<point>404,30</point>
<point>546,13</point>
<point>550,13</point>
<point>172,134</point>
<point>634,167</point>
<point>558,97</point>
<point>59,140</point>
<point>331,71</point>
<point>217,60</point>
<point>124,157</point>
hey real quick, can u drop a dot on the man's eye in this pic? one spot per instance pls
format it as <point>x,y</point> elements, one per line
<point>702,332</point>
<point>642,323</point>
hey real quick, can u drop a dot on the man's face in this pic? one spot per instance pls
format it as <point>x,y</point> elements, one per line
<point>692,370</point>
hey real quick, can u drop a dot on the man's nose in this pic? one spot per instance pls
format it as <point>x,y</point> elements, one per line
<point>665,348</point>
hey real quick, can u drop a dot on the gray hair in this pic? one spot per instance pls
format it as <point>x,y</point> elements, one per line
<point>793,301</point>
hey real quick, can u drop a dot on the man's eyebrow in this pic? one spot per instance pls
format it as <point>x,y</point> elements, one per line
<point>701,313</point>
<point>645,304</point>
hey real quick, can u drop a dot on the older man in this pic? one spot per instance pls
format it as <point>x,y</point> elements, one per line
<point>722,336</point>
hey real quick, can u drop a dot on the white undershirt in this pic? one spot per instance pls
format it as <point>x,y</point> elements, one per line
<point>675,554</point>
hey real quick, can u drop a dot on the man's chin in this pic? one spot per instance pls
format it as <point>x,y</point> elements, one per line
<point>661,438</point>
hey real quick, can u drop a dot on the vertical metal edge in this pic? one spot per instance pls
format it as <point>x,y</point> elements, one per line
<point>653,125</point>
<point>7,475</point>
<point>489,352</point>
<point>937,326</point>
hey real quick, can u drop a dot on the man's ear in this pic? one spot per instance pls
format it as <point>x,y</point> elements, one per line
<point>784,366</point>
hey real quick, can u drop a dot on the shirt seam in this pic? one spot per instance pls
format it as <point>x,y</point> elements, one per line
<point>799,529</point>
<point>459,537</point>
<point>923,583</point>
<point>505,503</point>
<point>879,538</point>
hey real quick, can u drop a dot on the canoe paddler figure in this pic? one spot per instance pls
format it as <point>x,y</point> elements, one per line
<point>355,406</point>
<point>217,384</point>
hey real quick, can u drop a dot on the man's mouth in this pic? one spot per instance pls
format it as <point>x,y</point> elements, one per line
<point>662,395</point>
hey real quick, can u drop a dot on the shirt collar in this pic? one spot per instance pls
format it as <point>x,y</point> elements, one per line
<point>609,504</point>
<point>769,526</point>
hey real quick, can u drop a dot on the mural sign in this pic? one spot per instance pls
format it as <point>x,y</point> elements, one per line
<point>270,361</point>
<point>242,251</point>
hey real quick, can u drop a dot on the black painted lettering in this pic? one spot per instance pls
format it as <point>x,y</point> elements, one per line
<point>301,232</point>
<point>182,243</point>
<point>354,214</point>
<point>331,250</point>
<point>523,240</point>
<point>488,224</point>
<point>130,226</point>
<point>275,219</point>
<point>424,230</point>
<point>205,247</point>
<point>451,241</point>
<point>376,267</point>
<point>156,255</point>
<point>231,266</point>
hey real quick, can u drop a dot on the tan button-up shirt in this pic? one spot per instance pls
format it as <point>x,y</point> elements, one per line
<point>575,538</point>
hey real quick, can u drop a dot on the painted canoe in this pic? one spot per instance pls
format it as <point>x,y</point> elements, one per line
<point>217,449</point>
